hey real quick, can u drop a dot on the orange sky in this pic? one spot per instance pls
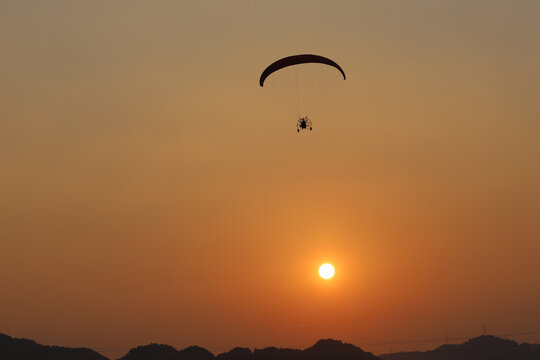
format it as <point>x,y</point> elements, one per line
<point>152,191</point>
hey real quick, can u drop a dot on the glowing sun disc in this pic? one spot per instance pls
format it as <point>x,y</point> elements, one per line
<point>326,271</point>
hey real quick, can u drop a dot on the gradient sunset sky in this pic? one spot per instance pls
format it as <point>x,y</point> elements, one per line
<point>151,191</point>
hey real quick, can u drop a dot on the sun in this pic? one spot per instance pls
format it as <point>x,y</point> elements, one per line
<point>326,271</point>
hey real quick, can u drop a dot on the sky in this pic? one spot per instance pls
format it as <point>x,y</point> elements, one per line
<point>151,191</point>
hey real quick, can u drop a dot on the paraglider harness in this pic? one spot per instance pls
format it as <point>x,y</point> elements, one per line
<point>303,124</point>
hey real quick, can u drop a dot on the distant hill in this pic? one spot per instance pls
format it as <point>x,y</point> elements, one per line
<point>327,349</point>
<point>336,350</point>
<point>24,349</point>
<point>323,350</point>
<point>479,348</point>
<point>152,351</point>
<point>237,353</point>
<point>167,352</point>
<point>484,347</point>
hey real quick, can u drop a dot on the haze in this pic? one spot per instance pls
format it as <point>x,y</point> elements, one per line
<point>150,190</point>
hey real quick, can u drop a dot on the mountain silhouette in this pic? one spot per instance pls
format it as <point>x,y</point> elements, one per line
<point>323,350</point>
<point>273,353</point>
<point>237,353</point>
<point>336,350</point>
<point>327,349</point>
<point>485,347</point>
<point>196,353</point>
<point>24,349</point>
<point>152,351</point>
<point>167,352</point>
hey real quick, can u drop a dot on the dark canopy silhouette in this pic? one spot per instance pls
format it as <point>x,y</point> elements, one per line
<point>295,60</point>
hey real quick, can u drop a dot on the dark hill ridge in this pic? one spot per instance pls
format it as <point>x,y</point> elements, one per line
<point>479,348</point>
<point>24,349</point>
<point>323,350</point>
<point>327,349</point>
<point>167,352</point>
<point>480,342</point>
<point>152,351</point>
<point>273,353</point>
<point>485,347</point>
<point>237,353</point>
<point>336,350</point>
<point>196,353</point>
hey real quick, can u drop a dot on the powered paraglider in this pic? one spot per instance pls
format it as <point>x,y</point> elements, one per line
<point>300,81</point>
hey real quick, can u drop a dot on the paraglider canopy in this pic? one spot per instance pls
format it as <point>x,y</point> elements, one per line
<point>295,60</point>
<point>300,82</point>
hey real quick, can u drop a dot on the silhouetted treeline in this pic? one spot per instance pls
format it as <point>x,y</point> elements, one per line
<point>166,352</point>
<point>24,349</point>
<point>484,347</point>
<point>323,350</point>
<point>479,348</point>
